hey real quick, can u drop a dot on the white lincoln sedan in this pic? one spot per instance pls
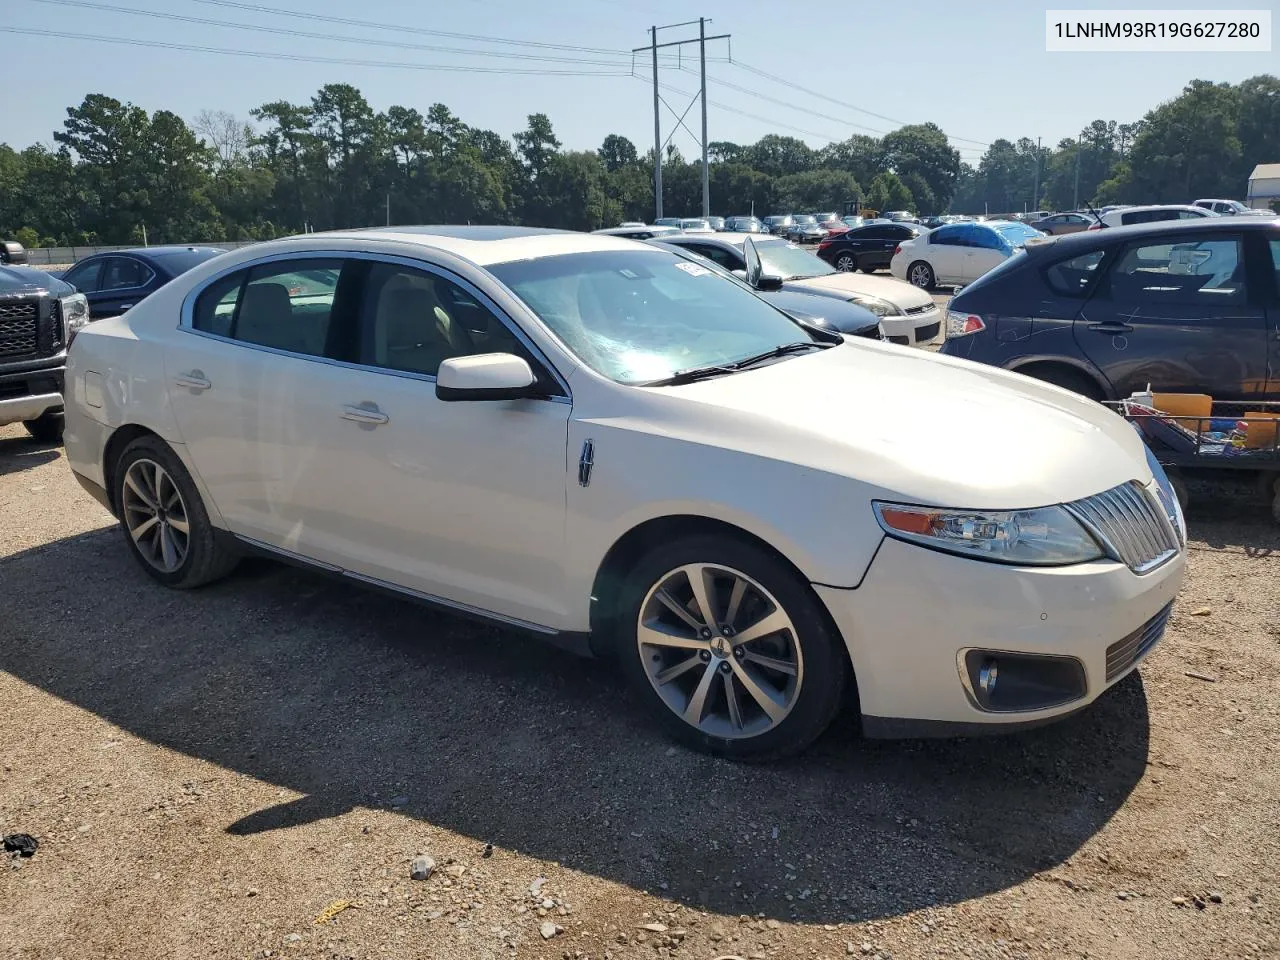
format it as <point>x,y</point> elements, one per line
<point>617,449</point>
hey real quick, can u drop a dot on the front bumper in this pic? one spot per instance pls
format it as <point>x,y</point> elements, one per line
<point>34,389</point>
<point>907,624</point>
<point>913,329</point>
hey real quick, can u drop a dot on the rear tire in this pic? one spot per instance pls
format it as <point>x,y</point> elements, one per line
<point>150,475</point>
<point>46,428</point>
<point>845,262</point>
<point>1068,380</point>
<point>920,274</point>
<point>759,698</point>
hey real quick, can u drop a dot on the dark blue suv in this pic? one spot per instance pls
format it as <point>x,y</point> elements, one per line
<point>1181,306</point>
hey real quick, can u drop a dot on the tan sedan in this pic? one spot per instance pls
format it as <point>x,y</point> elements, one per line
<point>1061,223</point>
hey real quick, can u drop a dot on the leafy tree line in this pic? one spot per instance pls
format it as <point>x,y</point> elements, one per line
<point>114,169</point>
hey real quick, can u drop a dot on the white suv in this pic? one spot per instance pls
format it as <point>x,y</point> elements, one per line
<point>1232,208</point>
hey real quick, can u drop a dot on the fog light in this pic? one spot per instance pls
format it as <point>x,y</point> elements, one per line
<point>1000,681</point>
<point>987,676</point>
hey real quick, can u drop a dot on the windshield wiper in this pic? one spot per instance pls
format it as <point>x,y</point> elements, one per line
<point>780,351</point>
<point>690,375</point>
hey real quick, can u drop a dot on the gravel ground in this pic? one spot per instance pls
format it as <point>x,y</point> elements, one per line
<point>211,773</point>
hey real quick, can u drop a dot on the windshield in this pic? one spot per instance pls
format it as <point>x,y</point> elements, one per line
<point>1017,234</point>
<point>806,218</point>
<point>642,315</point>
<point>780,258</point>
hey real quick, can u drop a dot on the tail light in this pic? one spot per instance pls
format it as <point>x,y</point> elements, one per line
<point>897,250</point>
<point>961,324</point>
<point>1094,226</point>
<point>823,245</point>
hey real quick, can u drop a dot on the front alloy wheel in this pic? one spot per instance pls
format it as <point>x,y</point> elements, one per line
<point>728,648</point>
<point>720,651</point>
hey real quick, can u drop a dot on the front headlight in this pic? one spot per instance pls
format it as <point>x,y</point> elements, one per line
<point>881,308</point>
<point>1168,496</point>
<point>75,314</point>
<point>1043,537</point>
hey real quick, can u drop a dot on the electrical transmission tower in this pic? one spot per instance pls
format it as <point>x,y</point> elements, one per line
<point>659,102</point>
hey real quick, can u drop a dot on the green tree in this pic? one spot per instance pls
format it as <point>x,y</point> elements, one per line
<point>860,155</point>
<point>617,151</point>
<point>1188,147</point>
<point>887,192</point>
<point>923,150</point>
<point>780,156</point>
<point>816,190</point>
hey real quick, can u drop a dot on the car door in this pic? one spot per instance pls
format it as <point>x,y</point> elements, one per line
<point>85,275</point>
<point>1181,314</point>
<point>246,340</point>
<point>985,250</point>
<point>124,281</point>
<point>461,501</point>
<point>946,248</point>
<point>1273,323</point>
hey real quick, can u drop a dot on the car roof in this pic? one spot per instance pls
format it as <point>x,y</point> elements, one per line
<point>484,245</point>
<point>725,238</point>
<point>158,253</point>
<point>1090,239</point>
<point>1160,206</point>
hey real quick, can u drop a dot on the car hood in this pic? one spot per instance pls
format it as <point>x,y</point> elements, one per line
<point>914,426</point>
<point>846,285</point>
<point>835,314</point>
<point>26,280</point>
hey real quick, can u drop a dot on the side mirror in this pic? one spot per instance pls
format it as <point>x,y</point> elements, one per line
<point>12,252</point>
<point>767,281</point>
<point>487,376</point>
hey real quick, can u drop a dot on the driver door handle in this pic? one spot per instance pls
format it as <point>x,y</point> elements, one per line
<point>193,380</point>
<point>1111,327</point>
<point>364,414</point>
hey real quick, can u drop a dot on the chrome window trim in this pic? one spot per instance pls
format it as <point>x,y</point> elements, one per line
<point>186,320</point>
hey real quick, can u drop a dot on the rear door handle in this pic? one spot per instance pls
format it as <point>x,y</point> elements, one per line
<point>1111,327</point>
<point>193,380</point>
<point>364,414</point>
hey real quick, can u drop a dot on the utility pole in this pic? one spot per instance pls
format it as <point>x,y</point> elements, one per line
<point>1075,197</point>
<point>658,145</point>
<point>388,208</point>
<point>706,166</point>
<point>1035,195</point>
<point>657,128</point>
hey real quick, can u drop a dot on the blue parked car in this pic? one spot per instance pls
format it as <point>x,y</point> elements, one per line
<point>114,282</point>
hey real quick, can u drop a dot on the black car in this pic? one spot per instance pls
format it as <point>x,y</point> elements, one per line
<point>116,281</point>
<point>1180,306</point>
<point>39,314</point>
<point>868,248</point>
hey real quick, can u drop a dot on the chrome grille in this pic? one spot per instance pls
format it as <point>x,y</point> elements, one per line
<point>1130,524</point>
<point>922,308</point>
<point>18,328</point>
<point>1123,654</point>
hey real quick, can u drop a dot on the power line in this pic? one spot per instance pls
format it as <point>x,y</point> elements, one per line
<point>782,103</point>
<point>402,28</point>
<point>742,113</point>
<point>822,96</point>
<point>305,58</point>
<point>292,32</point>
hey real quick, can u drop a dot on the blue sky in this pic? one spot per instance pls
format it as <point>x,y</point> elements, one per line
<point>976,67</point>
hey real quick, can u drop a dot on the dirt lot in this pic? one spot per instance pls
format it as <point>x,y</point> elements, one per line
<point>208,772</point>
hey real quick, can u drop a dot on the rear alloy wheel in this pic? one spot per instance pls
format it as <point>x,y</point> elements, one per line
<point>165,524</point>
<point>729,650</point>
<point>921,275</point>
<point>846,263</point>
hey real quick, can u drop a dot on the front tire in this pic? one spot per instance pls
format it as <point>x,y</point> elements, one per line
<point>46,428</point>
<point>728,649</point>
<point>920,274</point>
<point>165,523</point>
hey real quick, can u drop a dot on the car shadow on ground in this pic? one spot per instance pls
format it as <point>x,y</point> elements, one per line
<point>23,453</point>
<point>1227,508</point>
<point>354,699</point>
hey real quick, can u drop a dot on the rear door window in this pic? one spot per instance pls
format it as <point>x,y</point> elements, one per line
<point>1201,273</point>
<point>285,305</point>
<point>124,273</point>
<point>1076,276</point>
